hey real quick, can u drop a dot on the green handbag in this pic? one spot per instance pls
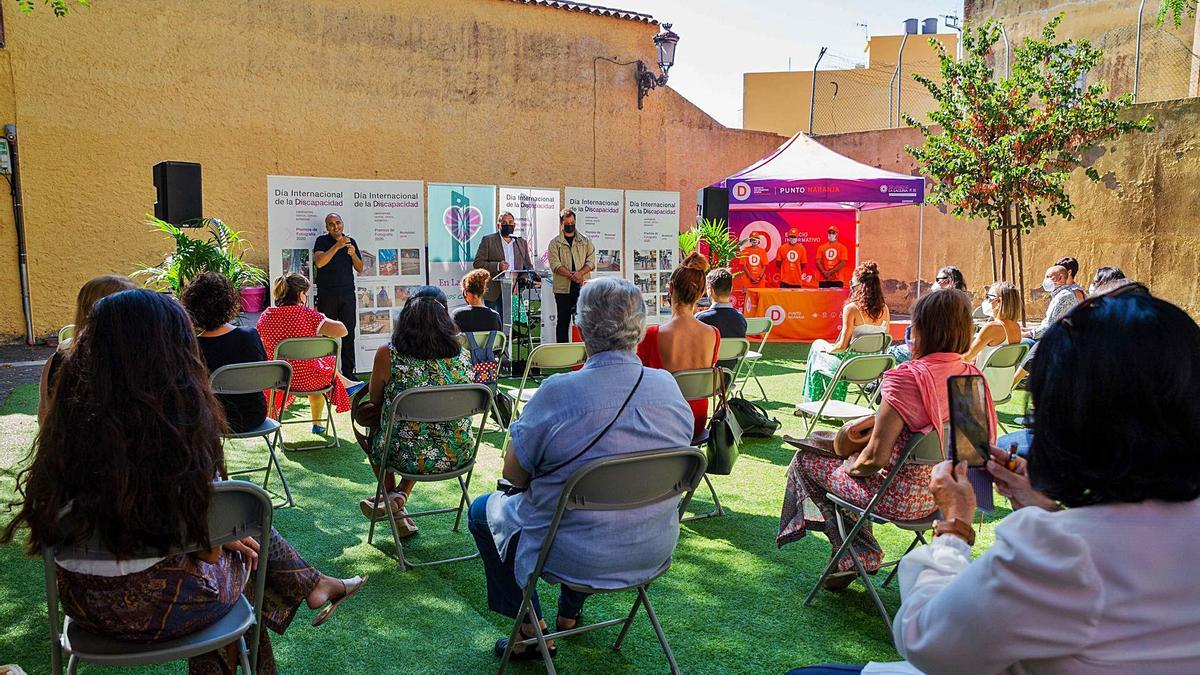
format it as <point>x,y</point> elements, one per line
<point>724,433</point>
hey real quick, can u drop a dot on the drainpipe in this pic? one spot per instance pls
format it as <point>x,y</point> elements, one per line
<point>1008,50</point>
<point>1137,53</point>
<point>812,97</point>
<point>899,78</point>
<point>10,132</point>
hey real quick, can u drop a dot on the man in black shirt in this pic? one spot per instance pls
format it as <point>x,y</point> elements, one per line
<point>337,259</point>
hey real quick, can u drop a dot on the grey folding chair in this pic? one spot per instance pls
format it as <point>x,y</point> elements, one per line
<point>924,449</point>
<point>555,356</point>
<point>731,352</point>
<point>237,510</point>
<point>445,403</point>
<point>498,348</point>
<point>759,326</point>
<point>696,385</point>
<point>66,334</point>
<point>303,349</point>
<point>871,343</point>
<point>999,370</point>
<point>856,370</point>
<point>615,483</point>
<point>250,378</point>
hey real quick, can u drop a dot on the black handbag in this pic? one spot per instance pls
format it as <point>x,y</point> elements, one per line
<point>724,433</point>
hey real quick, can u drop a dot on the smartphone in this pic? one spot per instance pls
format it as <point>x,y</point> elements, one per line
<point>969,438</point>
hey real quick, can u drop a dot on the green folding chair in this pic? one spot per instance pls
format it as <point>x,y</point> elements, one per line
<point>759,326</point>
<point>303,349</point>
<point>250,378</point>
<point>922,449</point>
<point>856,370</point>
<point>697,385</point>
<point>614,483</point>
<point>871,343</point>
<point>498,347</point>
<point>444,403</point>
<point>731,352</point>
<point>1000,368</point>
<point>237,510</point>
<point>557,356</point>
<point>65,335</point>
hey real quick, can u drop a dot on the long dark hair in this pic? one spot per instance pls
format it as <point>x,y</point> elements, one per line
<point>867,293</point>
<point>424,330</point>
<point>132,439</point>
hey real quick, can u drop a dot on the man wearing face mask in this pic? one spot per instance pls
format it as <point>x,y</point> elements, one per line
<point>337,259</point>
<point>572,259</point>
<point>1062,299</point>
<point>832,258</point>
<point>501,252</point>
<point>792,260</point>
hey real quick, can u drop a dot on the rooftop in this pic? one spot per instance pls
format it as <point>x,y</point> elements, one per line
<point>598,10</point>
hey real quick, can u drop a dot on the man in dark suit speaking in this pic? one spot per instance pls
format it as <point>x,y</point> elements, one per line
<point>499,253</point>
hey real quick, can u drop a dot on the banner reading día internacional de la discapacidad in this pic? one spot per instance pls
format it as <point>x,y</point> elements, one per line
<point>459,216</point>
<point>652,246</point>
<point>385,217</point>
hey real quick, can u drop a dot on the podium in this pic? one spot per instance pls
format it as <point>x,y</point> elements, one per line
<point>521,303</point>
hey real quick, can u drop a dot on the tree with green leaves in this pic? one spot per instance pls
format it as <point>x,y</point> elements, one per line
<point>1002,149</point>
<point>59,7</point>
<point>1175,9</point>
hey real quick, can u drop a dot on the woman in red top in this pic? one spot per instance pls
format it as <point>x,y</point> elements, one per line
<point>291,317</point>
<point>683,342</point>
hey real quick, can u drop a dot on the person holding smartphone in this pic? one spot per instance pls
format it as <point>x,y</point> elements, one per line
<point>337,259</point>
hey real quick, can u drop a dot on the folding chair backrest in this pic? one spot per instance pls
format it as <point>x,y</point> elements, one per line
<point>732,348</point>
<point>865,368</point>
<point>1000,368</point>
<point>1008,356</point>
<point>926,449</point>
<point>758,325</point>
<point>442,403</point>
<point>871,343</point>
<point>565,355</point>
<point>481,338</point>
<point>701,383</point>
<point>621,482</point>
<point>300,349</point>
<point>65,333</point>
<point>248,378</point>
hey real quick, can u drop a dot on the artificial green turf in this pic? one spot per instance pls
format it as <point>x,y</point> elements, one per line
<point>731,603</point>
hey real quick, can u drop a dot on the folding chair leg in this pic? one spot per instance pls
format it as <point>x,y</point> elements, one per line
<point>760,388</point>
<point>919,539</point>
<point>844,549</point>
<point>541,638</point>
<point>330,419</point>
<point>464,500</point>
<point>718,511</point>
<point>72,665</point>
<point>287,491</point>
<point>244,656</point>
<point>662,638</point>
<point>628,622</point>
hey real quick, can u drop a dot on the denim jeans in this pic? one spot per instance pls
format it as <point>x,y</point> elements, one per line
<point>504,593</point>
<point>496,305</point>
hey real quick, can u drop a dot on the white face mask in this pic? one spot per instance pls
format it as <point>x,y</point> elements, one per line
<point>1092,289</point>
<point>988,310</point>
<point>1048,285</point>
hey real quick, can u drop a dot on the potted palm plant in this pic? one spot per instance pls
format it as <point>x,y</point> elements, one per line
<point>223,252</point>
<point>712,238</point>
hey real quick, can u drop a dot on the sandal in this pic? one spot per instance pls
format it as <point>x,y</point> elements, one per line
<point>328,610</point>
<point>526,653</point>
<point>839,581</point>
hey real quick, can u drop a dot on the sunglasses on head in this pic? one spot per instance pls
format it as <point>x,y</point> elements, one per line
<point>941,279</point>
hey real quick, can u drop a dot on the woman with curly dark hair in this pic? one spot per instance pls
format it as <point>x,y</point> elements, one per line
<point>129,449</point>
<point>863,314</point>
<point>213,302</point>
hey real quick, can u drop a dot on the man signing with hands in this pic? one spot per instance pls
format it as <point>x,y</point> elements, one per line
<point>337,259</point>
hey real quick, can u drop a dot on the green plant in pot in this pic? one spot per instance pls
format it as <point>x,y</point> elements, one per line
<point>222,252</point>
<point>712,238</point>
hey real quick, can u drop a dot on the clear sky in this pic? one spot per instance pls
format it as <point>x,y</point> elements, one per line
<point>721,39</point>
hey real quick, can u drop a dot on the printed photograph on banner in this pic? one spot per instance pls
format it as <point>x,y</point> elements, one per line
<point>365,299</point>
<point>400,295</point>
<point>382,297</point>
<point>664,278</point>
<point>645,259</point>
<point>389,265</point>
<point>370,266</point>
<point>665,260</point>
<point>296,260</point>
<point>395,318</point>
<point>410,261</point>
<point>664,302</point>
<point>375,322</point>
<point>647,284</point>
<point>608,260</point>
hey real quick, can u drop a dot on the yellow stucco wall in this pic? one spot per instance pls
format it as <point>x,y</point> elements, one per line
<point>1141,217</point>
<point>478,91</point>
<point>846,100</point>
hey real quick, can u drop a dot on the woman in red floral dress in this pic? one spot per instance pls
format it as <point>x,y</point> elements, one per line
<point>291,317</point>
<point>914,401</point>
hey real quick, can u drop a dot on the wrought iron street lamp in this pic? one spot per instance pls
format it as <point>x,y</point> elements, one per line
<point>665,43</point>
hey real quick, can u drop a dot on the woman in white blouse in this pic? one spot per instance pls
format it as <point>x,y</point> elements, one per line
<point>1107,584</point>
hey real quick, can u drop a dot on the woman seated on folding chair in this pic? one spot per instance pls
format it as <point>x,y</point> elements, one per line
<point>914,401</point>
<point>864,314</point>
<point>291,317</point>
<point>684,342</point>
<point>134,461</point>
<point>1002,303</point>
<point>424,351</point>
<point>213,303</point>
<point>612,406</point>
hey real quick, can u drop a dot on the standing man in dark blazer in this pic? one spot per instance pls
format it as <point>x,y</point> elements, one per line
<point>499,253</point>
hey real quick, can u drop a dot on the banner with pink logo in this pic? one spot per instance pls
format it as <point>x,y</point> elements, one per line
<point>459,217</point>
<point>386,218</point>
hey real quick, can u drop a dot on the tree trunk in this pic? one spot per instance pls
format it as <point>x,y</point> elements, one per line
<point>1021,274</point>
<point>992,242</point>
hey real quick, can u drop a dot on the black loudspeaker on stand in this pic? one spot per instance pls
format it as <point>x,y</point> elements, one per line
<point>179,197</point>
<point>713,204</point>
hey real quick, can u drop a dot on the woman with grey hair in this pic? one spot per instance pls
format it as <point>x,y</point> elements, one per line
<point>612,406</point>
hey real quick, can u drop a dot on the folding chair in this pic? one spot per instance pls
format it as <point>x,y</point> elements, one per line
<point>445,403</point>
<point>857,370</point>
<point>250,378</point>
<point>925,449</point>
<point>65,335</point>
<point>696,385</point>
<point>615,483</point>
<point>760,326</point>
<point>871,343</point>
<point>303,349</point>
<point>732,349</point>
<point>498,347</point>
<point>559,356</point>
<point>238,509</point>
<point>1000,368</point>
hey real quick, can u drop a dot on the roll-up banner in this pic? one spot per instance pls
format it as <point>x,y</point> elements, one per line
<point>652,245</point>
<point>535,211</point>
<point>385,217</point>
<point>459,216</point>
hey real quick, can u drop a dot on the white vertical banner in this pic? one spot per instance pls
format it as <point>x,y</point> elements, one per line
<point>459,216</point>
<point>385,217</point>
<point>652,238</point>
<point>535,211</point>
<point>598,215</point>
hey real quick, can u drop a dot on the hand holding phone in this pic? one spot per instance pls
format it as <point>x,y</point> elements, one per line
<point>970,433</point>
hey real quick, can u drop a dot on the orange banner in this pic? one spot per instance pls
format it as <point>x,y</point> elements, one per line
<point>799,315</point>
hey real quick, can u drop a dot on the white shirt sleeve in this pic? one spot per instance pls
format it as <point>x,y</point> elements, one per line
<point>1035,594</point>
